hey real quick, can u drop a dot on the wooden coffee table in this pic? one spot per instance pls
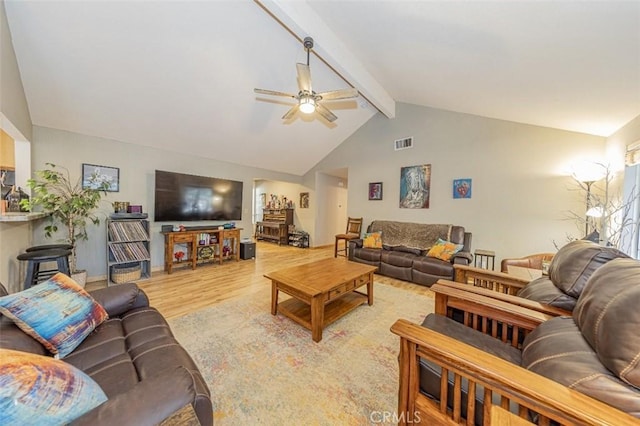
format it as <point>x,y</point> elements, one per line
<point>321,292</point>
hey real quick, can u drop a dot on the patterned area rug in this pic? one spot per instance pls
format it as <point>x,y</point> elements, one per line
<point>266,370</point>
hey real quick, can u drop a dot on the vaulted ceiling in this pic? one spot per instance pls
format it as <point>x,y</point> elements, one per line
<point>180,75</point>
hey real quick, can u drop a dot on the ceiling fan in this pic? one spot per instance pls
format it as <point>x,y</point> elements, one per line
<point>308,100</point>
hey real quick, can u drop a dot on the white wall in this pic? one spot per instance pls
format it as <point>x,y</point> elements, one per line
<point>302,218</point>
<point>137,166</point>
<point>520,175</point>
<point>331,208</point>
<point>13,105</point>
<point>617,143</point>
<point>616,148</point>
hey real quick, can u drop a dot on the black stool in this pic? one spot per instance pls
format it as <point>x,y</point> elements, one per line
<point>35,258</point>
<point>50,246</point>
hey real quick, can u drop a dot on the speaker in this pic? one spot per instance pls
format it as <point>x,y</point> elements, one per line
<point>247,250</point>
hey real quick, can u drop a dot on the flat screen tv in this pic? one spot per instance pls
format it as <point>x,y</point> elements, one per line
<point>181,198</point>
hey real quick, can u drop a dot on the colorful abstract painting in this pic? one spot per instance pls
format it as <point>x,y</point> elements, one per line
<point>415,182</point>
<point>462,188</point>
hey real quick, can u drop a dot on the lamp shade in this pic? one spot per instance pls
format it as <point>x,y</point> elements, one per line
<point>596,211</point>
<point>588,171</point>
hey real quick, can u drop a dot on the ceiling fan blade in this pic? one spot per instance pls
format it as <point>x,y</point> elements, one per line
<point>339,94</point>
<point>291,112</point>
<point>274,93</point>
<point>328,115</point>
<point>304,77</point>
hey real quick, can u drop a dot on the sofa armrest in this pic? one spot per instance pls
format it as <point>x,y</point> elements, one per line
<point>149,402</point>
<point>497,281</point>
<point>462,258</point>
<point>353,244</point>
<point>515,300</point>
<point>501,320</point>
<point>357,243</point>
<point>502,381</point>
<point>118,299</point>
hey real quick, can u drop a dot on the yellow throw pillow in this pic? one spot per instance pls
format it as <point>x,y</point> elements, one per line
<point>443,250</point>
<point>372,240</point>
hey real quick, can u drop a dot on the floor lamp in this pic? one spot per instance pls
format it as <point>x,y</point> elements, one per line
<point>588,173</point>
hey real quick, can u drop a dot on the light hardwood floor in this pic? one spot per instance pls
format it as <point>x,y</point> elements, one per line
<point>186,290</point>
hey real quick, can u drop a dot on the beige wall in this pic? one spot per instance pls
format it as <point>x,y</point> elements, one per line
<point>521,190</point>
<point>13,102</point>
<point>618,142</point>
<point>137,166</point>
<point>302,218</point>
<point>16,121</point>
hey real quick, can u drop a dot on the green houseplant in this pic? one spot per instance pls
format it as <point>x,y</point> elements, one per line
<point>68,204</point>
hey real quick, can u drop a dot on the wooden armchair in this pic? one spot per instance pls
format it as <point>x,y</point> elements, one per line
<point>506,388</point>
<point>533,261</point>
<point>492,280</point>
<point>569,271</point>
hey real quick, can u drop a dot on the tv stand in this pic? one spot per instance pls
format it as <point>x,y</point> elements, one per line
<point>199,248</point>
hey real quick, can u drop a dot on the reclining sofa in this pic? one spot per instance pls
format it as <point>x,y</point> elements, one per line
<point>505,361</point>
<point>134,358</point>
<point>405,245</point>
<point>569,271</point>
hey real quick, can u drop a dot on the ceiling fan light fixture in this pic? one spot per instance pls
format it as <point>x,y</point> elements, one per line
<point>307,105</point>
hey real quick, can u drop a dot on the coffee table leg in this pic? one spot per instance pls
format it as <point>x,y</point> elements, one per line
<point>317,318</point>
<point>370,290</point>
<point>274,298</point>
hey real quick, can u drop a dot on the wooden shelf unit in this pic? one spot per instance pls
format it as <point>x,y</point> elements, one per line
<point>191,239</point>
<point>299,239</point>
<point>128,244</point>
<point>275,225</point>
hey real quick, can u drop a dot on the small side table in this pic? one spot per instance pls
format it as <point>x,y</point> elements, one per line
<point>483,257</point>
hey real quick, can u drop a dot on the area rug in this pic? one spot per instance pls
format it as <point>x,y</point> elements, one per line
<point>265,370</point>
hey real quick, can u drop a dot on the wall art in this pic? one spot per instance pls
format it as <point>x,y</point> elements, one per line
<point>93,176</point>
<point>304,200</point>
<point>375,191</point>
<point>462,188</point>
<point>415,182</point>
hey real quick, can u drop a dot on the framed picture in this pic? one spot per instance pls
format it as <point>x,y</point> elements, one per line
<point>462,188</point>
<point>415,183</point>
<point>94,176</point>
<point>304,200</point>
<point>375,191</point>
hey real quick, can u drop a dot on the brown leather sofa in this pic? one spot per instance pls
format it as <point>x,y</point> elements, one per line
<point>569,271</point>
<point>543,368</point>
<point>133,356</point>
<point>406,259</point>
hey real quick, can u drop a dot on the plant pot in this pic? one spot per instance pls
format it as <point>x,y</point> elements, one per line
<point>80,277</point>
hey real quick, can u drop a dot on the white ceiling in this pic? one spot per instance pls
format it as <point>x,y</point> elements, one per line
<point>180,75</point>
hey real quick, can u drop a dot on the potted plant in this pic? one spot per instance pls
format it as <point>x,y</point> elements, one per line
<point>68,204</point>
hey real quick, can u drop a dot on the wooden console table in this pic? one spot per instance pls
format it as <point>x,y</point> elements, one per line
<point>190,237</point>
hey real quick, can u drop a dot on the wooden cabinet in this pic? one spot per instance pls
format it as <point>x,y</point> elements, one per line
<point>278,215</point>
<point>275,225</point>
<point>128,250</point>
<point>202,245</point>
<point>7,152</point>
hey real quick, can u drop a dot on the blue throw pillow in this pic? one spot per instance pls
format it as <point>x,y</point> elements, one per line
<point>36,389</point>
<point>58,313</point>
